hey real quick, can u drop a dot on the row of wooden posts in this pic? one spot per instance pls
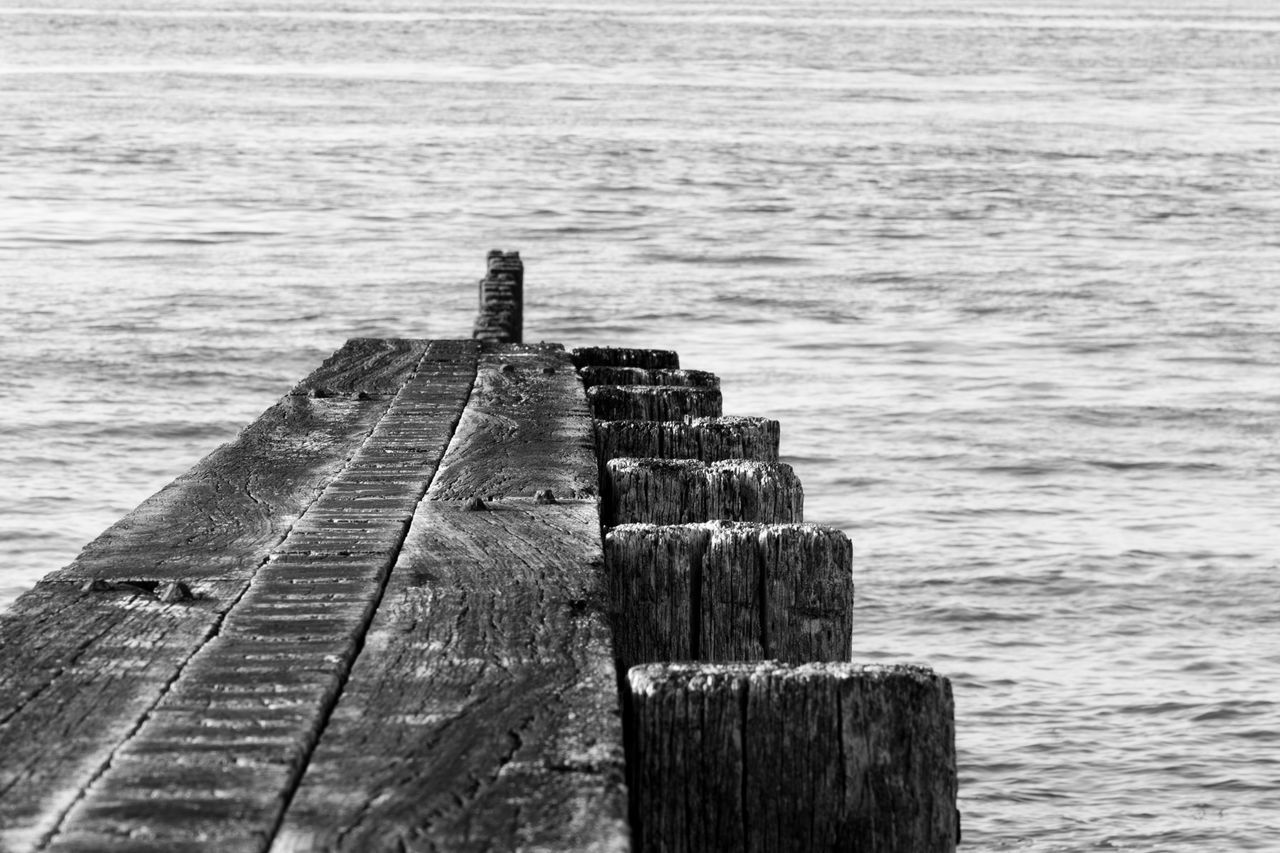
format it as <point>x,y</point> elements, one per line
<point>408,608</point>
<point>747,726</point>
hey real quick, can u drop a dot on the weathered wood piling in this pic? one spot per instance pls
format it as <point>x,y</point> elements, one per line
<point>784,758</point>
<point>409,607</point>
<point>501,316</point>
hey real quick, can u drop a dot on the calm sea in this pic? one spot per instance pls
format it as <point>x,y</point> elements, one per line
<point>1006,272</point>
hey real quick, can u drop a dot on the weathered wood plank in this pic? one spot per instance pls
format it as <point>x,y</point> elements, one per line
<point>372,367</point>
<point>483,712</point>
<point>766,757</point>
<point>220,519</point>
<point>79,670</point>
<point>214,762</point>
<point>525,430</point>
<point>83,667</point>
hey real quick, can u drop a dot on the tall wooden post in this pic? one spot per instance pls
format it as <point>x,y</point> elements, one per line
<point>501,317</point>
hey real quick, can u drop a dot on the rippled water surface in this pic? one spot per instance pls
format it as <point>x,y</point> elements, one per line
<point>1006,273</point>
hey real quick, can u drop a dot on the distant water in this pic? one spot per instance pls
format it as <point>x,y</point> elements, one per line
<point>1006,272</point>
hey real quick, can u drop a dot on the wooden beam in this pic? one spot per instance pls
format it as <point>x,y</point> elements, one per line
<point>483,713</point>
<point>526,430</point>
<point>153,703</point>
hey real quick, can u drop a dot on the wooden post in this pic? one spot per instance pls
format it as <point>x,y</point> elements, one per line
<point>676,491</point>
<point>593,375</point>
<point>740,490</point>
<point>649,359</point>
<point>707,439</point>
<point>751,591</point>
<point>654,491</point>
<point>652,402</point>
<point>651,599</point>
<point>768,757</point>
<point>501,317</point>
<point>732,608</point>
<point>808,581</point>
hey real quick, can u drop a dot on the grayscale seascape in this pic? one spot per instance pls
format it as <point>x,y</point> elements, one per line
<point>1006,273</point>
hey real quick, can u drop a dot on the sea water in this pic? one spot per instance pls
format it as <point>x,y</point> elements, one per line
<point>1006,273</point>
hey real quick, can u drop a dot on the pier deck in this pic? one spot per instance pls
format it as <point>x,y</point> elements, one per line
<point>315,641</point>
<point>470,595</point>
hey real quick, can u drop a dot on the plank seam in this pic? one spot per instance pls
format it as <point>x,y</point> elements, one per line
<point>326,712</point>
<point>215,629</point>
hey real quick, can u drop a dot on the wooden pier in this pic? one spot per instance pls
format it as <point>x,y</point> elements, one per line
<point>397,614</point>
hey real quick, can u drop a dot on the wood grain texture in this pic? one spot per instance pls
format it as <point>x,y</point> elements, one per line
<point>649,359</point>
<point>653,402</point>
<point>705,439</point>
<point>483,714</point>
<point>654,575</point>
<point>525,429</point>
<point>221,518</point>
<point>217,756</point>
<point>680,491</point>
<point>78,670</point>
<point>92,651</point>
<point>741,490</point>
<point>654,491</point>
<point>734,596</point>
<point>368,367</point>
<point>766,757</point>
<point>743,591</point>
<point>593,375</point>
<point>809,589</point>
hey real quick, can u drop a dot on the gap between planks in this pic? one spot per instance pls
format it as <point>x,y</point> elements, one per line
<point>81,827</point>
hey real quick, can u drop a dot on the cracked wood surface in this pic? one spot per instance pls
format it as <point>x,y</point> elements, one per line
<point>80,670</point>
<point>526,429</point>
<point>483,713</point>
